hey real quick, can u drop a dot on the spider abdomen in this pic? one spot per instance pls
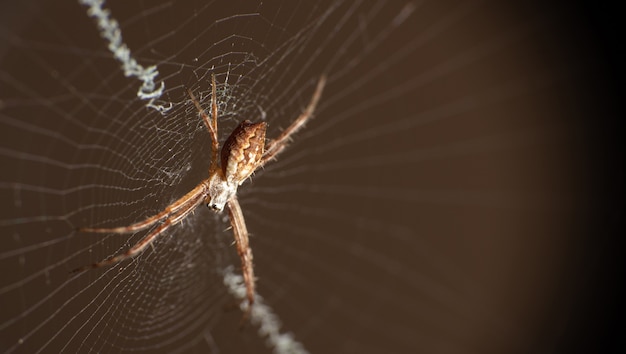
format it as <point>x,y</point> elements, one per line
<point>242,151</point>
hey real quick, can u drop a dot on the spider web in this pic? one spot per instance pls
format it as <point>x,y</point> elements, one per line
<point>402,219</point>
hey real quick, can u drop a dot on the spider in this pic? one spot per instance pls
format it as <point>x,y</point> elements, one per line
<point>242,153</point>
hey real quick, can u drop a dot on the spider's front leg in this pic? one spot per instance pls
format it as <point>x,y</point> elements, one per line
<point>276,146</point>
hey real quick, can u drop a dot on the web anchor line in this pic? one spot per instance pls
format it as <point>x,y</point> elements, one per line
<point>110,31</point>
<point>262,316</point>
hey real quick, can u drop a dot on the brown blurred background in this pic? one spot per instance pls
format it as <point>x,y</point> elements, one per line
<point>459,191</point>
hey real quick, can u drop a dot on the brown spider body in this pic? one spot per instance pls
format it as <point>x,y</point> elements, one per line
<point>243,150</point>
<point>243,153</point>
<point>241,156</point>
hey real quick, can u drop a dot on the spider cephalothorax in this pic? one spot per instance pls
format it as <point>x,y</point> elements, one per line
<point>243,153</point>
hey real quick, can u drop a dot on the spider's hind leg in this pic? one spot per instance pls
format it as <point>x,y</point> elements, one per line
<point>240,232</point>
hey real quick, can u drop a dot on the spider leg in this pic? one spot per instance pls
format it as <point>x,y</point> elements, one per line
<point>205,117</point>
<point>240,232</point>
<point>276,146</point>
<point>214,103</point>
<point>199,190</point>
<point>211,125</point>
<point>148,239</point>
